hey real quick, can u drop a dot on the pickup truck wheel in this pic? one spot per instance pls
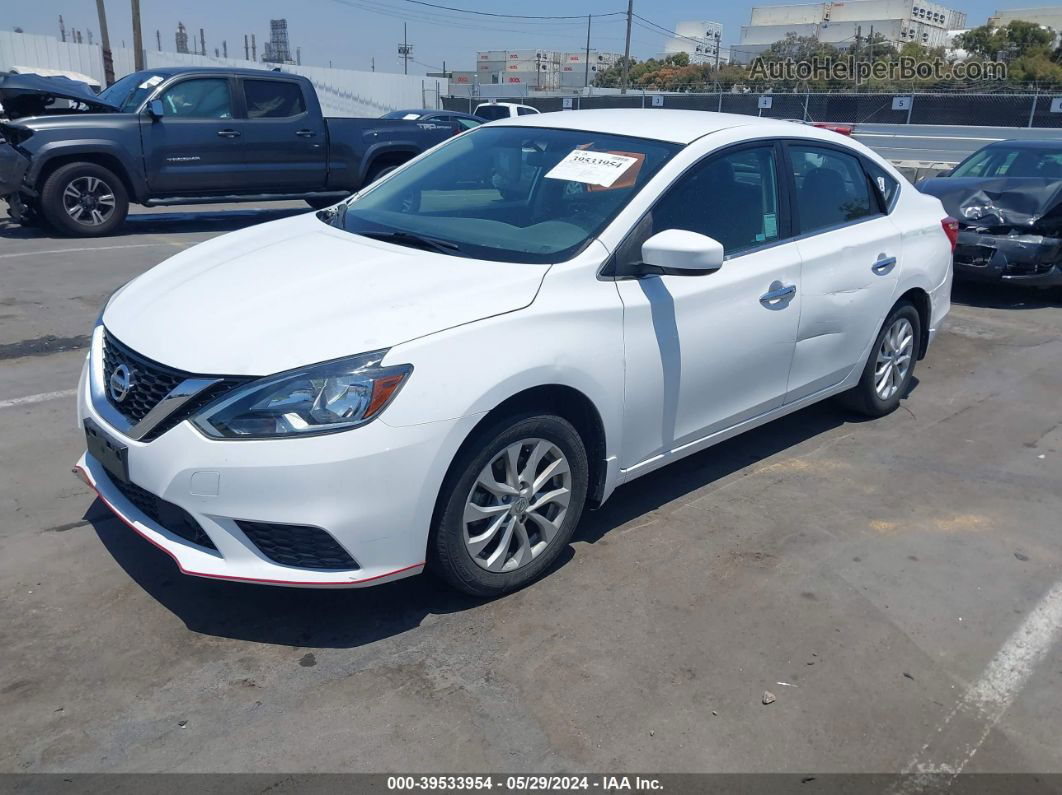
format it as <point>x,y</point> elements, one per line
<point>379,171</point>
<point>84,200</point>
<point>509,505</point>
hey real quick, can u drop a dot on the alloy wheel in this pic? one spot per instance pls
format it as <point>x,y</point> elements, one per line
<point>88,200</point>
<point>517,505</point>
<point>894,358</point>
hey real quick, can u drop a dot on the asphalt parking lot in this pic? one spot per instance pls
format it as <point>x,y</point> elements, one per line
<point>895,584</point>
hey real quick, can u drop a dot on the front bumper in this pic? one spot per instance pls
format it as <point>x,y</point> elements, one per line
<point>1026,259</point>
<point>13,166</point>
<point>373,489</point>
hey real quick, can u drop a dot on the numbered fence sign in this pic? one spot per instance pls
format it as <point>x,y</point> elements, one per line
<point>1056,105</point>
<point>765,103</point>
<point>901,103</point>
<point>566,103</point>
<point>658,101</point>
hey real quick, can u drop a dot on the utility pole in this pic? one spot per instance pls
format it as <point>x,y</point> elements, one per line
<point>105,43</point>
<point>627,49</point>
<point>202,42</point>
<point>372,63</point>
<point>870,42</point>
<point>224,48</point>
<point>404,50</point>
<point>586,70</point>
<point>138,39</point>
<point>246,48</point>
<point>858,37</point>
<point>62,29</point>
<point>158,39</point>
<point>254,49</point>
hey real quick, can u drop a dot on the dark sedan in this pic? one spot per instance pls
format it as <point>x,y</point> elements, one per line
<point>1007,198</point>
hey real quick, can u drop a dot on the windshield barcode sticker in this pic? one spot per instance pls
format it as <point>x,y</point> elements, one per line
<point>592,168</point>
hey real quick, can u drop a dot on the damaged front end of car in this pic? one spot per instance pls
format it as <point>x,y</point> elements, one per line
<point>1010,229</point>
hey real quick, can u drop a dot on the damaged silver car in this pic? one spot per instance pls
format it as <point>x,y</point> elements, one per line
<point>1007,198</point>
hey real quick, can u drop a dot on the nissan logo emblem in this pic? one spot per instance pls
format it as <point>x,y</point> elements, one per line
<point>121,382</point>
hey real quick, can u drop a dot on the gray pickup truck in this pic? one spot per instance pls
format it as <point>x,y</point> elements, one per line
<point>184,136</point>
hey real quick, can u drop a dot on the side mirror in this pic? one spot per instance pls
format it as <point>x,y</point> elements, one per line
<point>155,109</point>
<point>678,252</point>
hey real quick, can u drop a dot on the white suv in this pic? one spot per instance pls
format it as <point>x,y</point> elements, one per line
<point>446,369</point>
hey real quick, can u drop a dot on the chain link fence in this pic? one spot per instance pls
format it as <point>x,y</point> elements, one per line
<point>995,110</point>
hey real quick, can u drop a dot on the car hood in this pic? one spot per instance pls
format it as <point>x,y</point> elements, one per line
<point>1015,202</point>
<point>18,91</point>
<point>297,291</point>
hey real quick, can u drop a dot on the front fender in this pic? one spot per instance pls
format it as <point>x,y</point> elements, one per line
<point>130,163</point>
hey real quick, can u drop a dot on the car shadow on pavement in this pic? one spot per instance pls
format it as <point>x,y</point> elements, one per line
<point>176,222</point>
<point>349,618</point>
<point>991,295</point>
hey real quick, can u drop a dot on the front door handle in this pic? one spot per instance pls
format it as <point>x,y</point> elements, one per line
<point>229,133</point>
<point>883,265</point>
<point>305,133</point>
<point>777,294</point>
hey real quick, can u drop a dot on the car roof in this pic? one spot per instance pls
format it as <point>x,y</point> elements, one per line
<point>1019,143</point>
<point>676,126</point>
<point>505,105</point>
<point>170,71</point>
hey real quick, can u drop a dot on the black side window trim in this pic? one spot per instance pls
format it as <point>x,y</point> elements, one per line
<point>786,225</point>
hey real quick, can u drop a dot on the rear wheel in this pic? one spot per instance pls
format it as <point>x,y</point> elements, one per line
<point>890,367</point>
<point>381,170</point>
<point>84,200</point>
<point>510,505</point>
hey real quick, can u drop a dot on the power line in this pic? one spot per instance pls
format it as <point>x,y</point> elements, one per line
<point>511,16</point>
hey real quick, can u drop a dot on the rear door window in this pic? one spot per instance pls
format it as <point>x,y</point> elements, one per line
<point>273,99</point>
<point>831,188</point>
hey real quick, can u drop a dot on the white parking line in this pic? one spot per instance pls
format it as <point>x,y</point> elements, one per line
<point>41,398</point>
<point>87,248</point>
<point>987,699</point>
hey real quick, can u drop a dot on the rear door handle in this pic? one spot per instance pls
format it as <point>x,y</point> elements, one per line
<point>779,292</point>
<point>228,133</point>
<point>305,133</point>
<point>883,265</point>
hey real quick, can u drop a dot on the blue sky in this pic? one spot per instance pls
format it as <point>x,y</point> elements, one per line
<point>350,33</point>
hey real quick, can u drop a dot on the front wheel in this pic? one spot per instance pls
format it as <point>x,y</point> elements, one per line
<point>890,367</point>
<point>84,200</point>
<point>510,505</point>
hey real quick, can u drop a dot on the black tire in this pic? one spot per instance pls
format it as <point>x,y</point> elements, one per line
<point>451,558</point>
<point>381,170</point>
<point>79,177</point>
<point>864,398</point>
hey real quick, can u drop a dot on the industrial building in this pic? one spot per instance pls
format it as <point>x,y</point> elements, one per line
<point>541,70</point>
<point>1048,17</point>
<point>277,49</point>
<point>842,23</point>
<point>700,41</point>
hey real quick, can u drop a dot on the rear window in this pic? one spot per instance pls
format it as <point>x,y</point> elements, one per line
<point>492,112</point>
<point>832,188</point>
<point>273,99</point>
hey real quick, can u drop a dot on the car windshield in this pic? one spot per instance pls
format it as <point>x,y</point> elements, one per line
<point>1005,161</point>
<point>493,112</point>
<point>131,90</point>
<point>510,194</point>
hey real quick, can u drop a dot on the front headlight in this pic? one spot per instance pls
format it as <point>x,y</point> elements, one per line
<point>321,398</point>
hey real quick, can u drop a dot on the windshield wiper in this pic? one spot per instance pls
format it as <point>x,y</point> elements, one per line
<point>411,239</point>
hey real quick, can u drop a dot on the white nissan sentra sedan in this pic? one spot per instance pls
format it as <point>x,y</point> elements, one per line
<point>447,369</point>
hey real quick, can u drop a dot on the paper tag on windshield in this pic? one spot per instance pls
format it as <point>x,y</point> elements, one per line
<point>411,116</point>
<point>151,82</point>
<point>593,168</point>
